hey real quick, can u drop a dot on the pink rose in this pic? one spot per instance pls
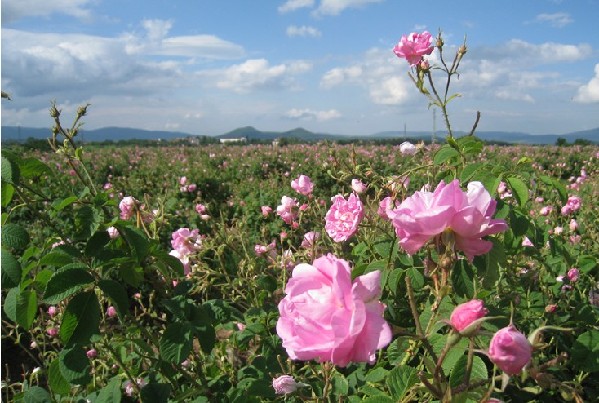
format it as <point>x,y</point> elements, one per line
<point>414,46</point>
<point>285,384</point>
<point>327,317</point>
<point>186,242</point>
<point>266,210</point>
<point>302,185</point>
<point>127,207</point>
<point>407,148</point>
<point>288,209</point>
<point>111,312</point>
<point>357,186</point>
<point>510,350</point>
<point>464,314</point>
<point>343,217</point>
<point>112,232</point>
<point>310,239</point>
<point>386,207</point>
<point>200,208</point>
<point>573,274</point>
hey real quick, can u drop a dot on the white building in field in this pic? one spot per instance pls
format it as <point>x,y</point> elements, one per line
<point>234,140</point>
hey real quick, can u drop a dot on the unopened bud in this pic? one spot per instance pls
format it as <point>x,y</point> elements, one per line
<point>440,42</point>
<point>54,112</point>
<point>82,110</point>
<point>462,50</point>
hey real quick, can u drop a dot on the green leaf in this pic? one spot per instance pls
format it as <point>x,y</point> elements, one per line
<point>378,399</point>
<point>585,351</point>
<point>444,154</point>
<point>203,328</point>
<point>470,145</point>
<point>58,384</point>
<point>518,222</point>
<point>376,375</point>
<point>10,303</point>
<point>136,239</point>
<point>489,180</point>
<point>489,265</point>
<point>11,270</point>
<point>14,236</point>
<point>462,278</point>
<point>60,204</point>
<point>81,318</point>
<point>400,380</point>
<point>176,342</point>
<point>96,244</point>
<point>117,294</point>
<point>561,190</point>
<point>340,385</point>
<point>7,193</point>
<point>416,277</point>
<point>26,308</point>
<point>478,373</point>
<point>519,190</point>
<point>32,167</point>
<point>110,393</point>
<point>35,394</point>
<point>469,171</point>
<point>155,392</point>
<point>132,275</point>
<point>66,282</point>
<point>74,365</point>
<point>10,171</point>
<point>56,258</point>
<point>87,221</point>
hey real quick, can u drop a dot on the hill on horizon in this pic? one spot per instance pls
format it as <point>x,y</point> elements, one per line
<point>17,133</point>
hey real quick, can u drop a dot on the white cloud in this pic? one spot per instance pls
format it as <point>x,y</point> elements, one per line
<point>557,20</point>
<point>304,30</point>
<point>377,73</point>
<point>511,95</point>
<point>589,93</point>
<point>257,74</point>
<point>335,7</point>
<point>520,52</point>
<point>292,5</point>
<point>15,9</point>
<point>309,114</point>
<point>157,29</point>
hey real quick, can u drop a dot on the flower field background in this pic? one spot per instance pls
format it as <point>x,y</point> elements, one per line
<point>312,272</point>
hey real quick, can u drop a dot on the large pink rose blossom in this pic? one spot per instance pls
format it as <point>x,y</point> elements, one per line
<point>464,314</point>
<point>343,217</point>
<point>186,241</point>
<point>510,350</point>
<point>425,215</point>
<point>327,317</point>
<point>302,185</point>
<point>414,47</point>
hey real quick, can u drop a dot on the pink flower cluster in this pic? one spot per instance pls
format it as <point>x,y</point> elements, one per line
<point>187,188</point>
<point>572,205</point>
<point>343,217</point>
<point>328,317</point>
<point>185,243</point>
<point>425,215</point>
<point>414,47</point>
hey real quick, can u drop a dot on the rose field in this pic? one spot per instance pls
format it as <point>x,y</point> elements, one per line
<point>451,272</point>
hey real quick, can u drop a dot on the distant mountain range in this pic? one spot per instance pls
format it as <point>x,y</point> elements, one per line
<point>17,133</point>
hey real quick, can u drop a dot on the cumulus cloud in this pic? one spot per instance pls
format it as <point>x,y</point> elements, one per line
<point>16,9</point>
<point>292,5</point>
<point>257,74</point>
<point>304,30</point>
<point>557,20</point>
<point>335,7</point>
<point>521,52</point>
<point>377,73</point>
<point>589,93</point>
<point>309,114</point>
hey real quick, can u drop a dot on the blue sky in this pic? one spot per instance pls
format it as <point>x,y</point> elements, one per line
<point>208,67</point>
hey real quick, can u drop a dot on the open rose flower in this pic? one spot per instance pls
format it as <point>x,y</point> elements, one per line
<point>414,46</point>
<point>510,350</point>
<point>302,185</point>
<point>343,217</point>
<point>288,210</point>
<point>327,317</point>
<point>127,207</point>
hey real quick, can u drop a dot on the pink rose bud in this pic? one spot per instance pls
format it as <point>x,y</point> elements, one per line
<point>52,331</point>
<point>510,350</point>
<point>92,353</point>
<point>573,274</point>
<point>573,225</point>
<point>266,210</point>
<point>112,232</point>
<point>465,314</point>
<point>357,186</point>
<point>526,242</point>
<point>111,312</point>
<point>52,311</point>
<point>285,384</point>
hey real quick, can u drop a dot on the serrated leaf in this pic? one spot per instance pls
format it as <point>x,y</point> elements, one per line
<point>14,236</point>
<point>9,171</point>
<point>469,171</point>
<point>87,221</point>
<point>110,393</point>
<point>32,167</point>
<point>519,190</point>
<point>136,239</point>
<point>117,294</point>
<point>176,342</point>
<point>7,193</point>
<point>35,394</point>
<point>478,372</point>
<point>376,375</point>
<point>416,277</point>
<point>58,384</point>
<point>66,282</point>
<point>60,204</point>
<point>462,279</point>
<point>400,380</point>
<point>26,308</point>
<point>81,318</point>
<point>444,154</point>
<point>488,265</point>
<point>11,270</point>
<point>585,351</point>
<point>74,365</point>
<point>96,244</point>
<point>10,303</point>
<point>155,392</point>
<point>56,258</point>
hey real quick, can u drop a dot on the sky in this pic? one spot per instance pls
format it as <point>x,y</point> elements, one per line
<point>207,67</point>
